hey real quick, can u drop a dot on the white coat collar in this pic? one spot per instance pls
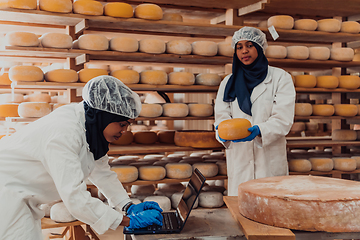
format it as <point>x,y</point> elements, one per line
<point>259,89</point>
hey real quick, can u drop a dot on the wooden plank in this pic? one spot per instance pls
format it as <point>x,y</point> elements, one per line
<point>319,143</point>
<point>48,85</point>
<point>327,117</point>
<point>326,90</point>
<point>310,64</point>
<point>254,230</point>
<point>40,52</point>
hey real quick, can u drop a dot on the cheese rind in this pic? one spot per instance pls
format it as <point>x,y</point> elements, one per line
<point>152,45</point>
<point>151,110</point>
<point>281,21</point>
<point>33,109</point>
<point>303,109</point>
<point>204,48</point>
<point>329,25</point>
<point>181,78</point>
<point>26,74</point>
<point>225,49</point>
<point>148,11</point>
<point>344,164</point>
<point>126,76</point>
<point>94,42</point>
<point>350,27</point>
<point>152,173</point>
<point>145,137</point>
<point>319,53</point>
<point>22,39</point>
<point>178,47</point>
<point>56,40</point>
<point>322,164</point>
<point>59,6</point>
<point>200,109</point>
<point>125,173</point>
<point>349,81</point>
<point>299,165</point>
<point>207,169</point>
<point>323,110</point>
<point>61,75</point>
<point>22,4</point>
<point>305,24</point>
<point>305,81</point>
<point>342,54</point>
<point>276,51</point>
<point>175,110</point>
<point>233,129</point>
<point>346,110</point>
<point>344,135</point>
<point>298,52</point>
<point>124,44</point>
<point>178,170</point>
<point>327,82</point>
<point>211,199</point>
<point>208,79</point>
<point>9,110</point>
<point>155,77</point>
<point>196,139</point>
<point>87,74</point>
<point>88,7</point>
<point>118,9</point>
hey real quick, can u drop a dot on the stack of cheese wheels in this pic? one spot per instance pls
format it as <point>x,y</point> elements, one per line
<point>349,81</point>
<point>11,98</point>
<point>27,4</point>
<point>118,9</point>
<point>357,159</point>
<point>276,51</point>
<point>329,25</point>
<point>26,74</point>
<point>281,21</point>
<point>181,78</point>
<point>56,40</point>
<point>152,173</point>
<point>126,76</point>
<point>304,201</point>
<point>207,169</point>
<point>297,52</point>
<point>87,74</point>
<point>305,24</point>
<point>204,48</point>
<point>298,127</point>
<point>148,11</point>
<point>39,97</point>
<point>323,110</point>
<point>305,81</point>
<point>151,110</point>
<point>303,109</point>
<point>88,7</point>
<point>152,45</point>
<point>299,165</point>
<point>208,79</point>
<point>343,135</point>
<point>174,17</point>
<point>95,42</point>
<point>163,201</point>
<point>322,164</point>
<point>319,53</point>
<point>342,54</point>
<point>196,139</point>
<point>233,129</point>
<point>200,109</point>
<point>59,213</point>
<point>125,173</point>
<point>166,136</point>
<point>178,47</point>
<point>350,27</point>
<point>211,199</point>
<point>225,49</point>
<point>344,163</point>
<point>327,81</point>
<point>124,44</point>
<point>175,110</point>
<point>34,109</point>
<point>346,110</point>
<point>60,6</point>
<point>23,39</point>
<point>4,79</point>
<point>145,137</point>
<point>61,75</point>
<point>154,77</point>
<point>125,139</point>
<point>178,170</point>
<point>9,110</point>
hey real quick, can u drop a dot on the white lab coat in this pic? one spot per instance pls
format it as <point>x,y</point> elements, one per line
<point>49,160</point>
<point>273,103</point>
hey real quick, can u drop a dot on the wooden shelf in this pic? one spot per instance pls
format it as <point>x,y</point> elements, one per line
<point>170,180</point>
<point>308,142</point>
<point>310,64</point>
<point>326,90</point>
<point>325,117</point>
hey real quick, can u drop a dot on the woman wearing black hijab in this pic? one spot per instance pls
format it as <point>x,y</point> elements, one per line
<point>265,96</point>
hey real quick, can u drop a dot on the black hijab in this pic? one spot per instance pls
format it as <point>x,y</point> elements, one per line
<point>245,78</point>
<point>95,123</point>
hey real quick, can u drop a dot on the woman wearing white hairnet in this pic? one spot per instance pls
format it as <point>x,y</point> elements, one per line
<point>265,96</point>
<point>49,160</point>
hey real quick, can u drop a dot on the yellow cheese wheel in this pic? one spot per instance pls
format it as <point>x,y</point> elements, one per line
<point>22,4</point>
<point>126,76</point>
<point>152,45</point>
<point>225,49</point>
<point>344,164</point>
<point>4,79</point>
<point>305,24</point>
<point>281,21</point>
<point>34,109</point>
<point>155,77</point>
<point>118,9</point>
<point>233,129</point>
<point>166,136</point>
<point>346,110</point>
<point>200,109</point>
<point>178,170</point>
<point>298,52</point>
<point>343,135</point>
<point>148,11</point>
<point>342,54</point>
<point>11,98</point>
<point>93,41</point>
<point>276,51</point>
<point>26,74</point>
<point>350,27</point>
<point>125,139</point>
<point>39,97</point>
<point>152,173</point>
<point>299,165</point>
<point>88,7</point>
<point>61,75</point>
<point>126,174</point>
<point>357,159</point>
<point>327,81</point>
<point>59,6</point>
<point>303,109</point>
<point>329,25</point>
<point>151,110</point>
<point>175,110</point>
<point>204,48</point>
<point>145,137</point>
<point>319,53</point>
<point>349,81</point>
<point>322,164</point>
<point>87,74</point>
<point>323,110</point>
<point>174,17</point>
<point>178,47</point>
<point>124,44</point>
<point>181,78</point>
<point>207,169</point>
<point>298,127</point>
<point>9,110</point>
<point>208,79</point>
<point>23,39</point>
<point>305,81</point>
<point>56,40</point>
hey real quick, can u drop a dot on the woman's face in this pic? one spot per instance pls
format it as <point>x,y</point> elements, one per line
<point>114,130</point>
<point>246,52</point>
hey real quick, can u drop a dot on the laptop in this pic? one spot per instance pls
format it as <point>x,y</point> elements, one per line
<point>174,221</point>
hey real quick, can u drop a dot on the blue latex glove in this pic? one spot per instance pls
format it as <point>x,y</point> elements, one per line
<point>145,218</point>
<point>255,130</point>
<point>223,140</point>
<point>137,208</point>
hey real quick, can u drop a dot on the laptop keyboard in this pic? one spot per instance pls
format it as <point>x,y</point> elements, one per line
<point>168,219</point>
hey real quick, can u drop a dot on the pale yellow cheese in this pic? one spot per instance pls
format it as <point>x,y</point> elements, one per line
<point>344,164</point>
<point>178,170</point>
<point>327,81</point>
<point>34,109</point>
<point>39,97</point>
<point>299,165</point>
<point>357,159</point>
<point>61,75</point>
<point>305,24</point>
<point>298,52</point>
<point>145,137</point>
<point>88,7</point>
<point>93,41</point>
<point>181,78</point>
<point>281,21</point>
<point>204,48</point>
<point>178,47</point>
<point>174,17</point>
<point>303,109</point>
<point>155,77</point>
<point>211,199</point>
<point>322,164</point>
<point>152,45</point>
<point>208,79</point>
<point>343,135</point>
<point>305,81</point>
<point>124,44</point>
<point>349,81</point>
<point>22,4</point>
<point>323,110</point>
<point>56,40</point>
<point>175,110</point>
<point>319,53</point>
<point>118,9</point>
<point>22,39</point>
<point>329,25</point>
<point>346,110</point>
<point>126,76</point>
<point>276,51</point>
<point>225,49</point>
<point>26,74</point>
<point>151,110</point>
<point>152,173</point>
<point>148,11</point>
<point>9,110</point>
<point>207,169</point>
<point>342,54</point>
<point>200,109</point>
<point>125,173</point>
<point>350,27</point>
<point>87,74</point>
<point>58,6</point>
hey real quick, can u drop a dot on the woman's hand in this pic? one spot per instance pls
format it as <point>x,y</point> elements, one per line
<point>255,131</point>
<point>145,218</point>
<point>137,208</point>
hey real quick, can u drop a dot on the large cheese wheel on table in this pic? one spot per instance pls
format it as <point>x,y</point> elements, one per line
<point>87,74</point>
<point>178,170</point>
<point>175,110</point>
<point>56,40</point>
<point>59,6</point>
<point>233,129</point>
<point>322,164</point>
<point>225,49</point>
<point>298,52</point>
<point>21,4</point>
<point>344,164</point>
<point>276,51</point>
<point>349,81</point>
<point>155,77</point>
<point>61,75</point>
<point>323,110</point>
<point>148,11</point>
<point>303,109</point>
<point>23,39</point>
<point>342,54</point>
<point>208,79</point>
<point>152,45</point>
<point>344,135</point>
<point>145,137</point>
<point>151,110</point>
<point>281,21</point>
<point>126,76</point>
<point>26,74</point>
<point>125,139</point>
<point>124,44</point>
<point>125,173</point>
<point>307,203</point>
<point>350,27</point>
<point>329,25</point>
<point>327,81</point>
<point>181,78</point>
<point>9,110</point>
<point>319,53</point>
<point>204,48</point>
<point>118,9</point>
<point>200,109</point>
<point>346,110</point>
<point>196,139</point>
<point>34,109</point>
<point>305,24</point>
<point>178,47</point>
<point>94,42</point>
<point>305,81</point>
<point>152,173</point>
<point>88,7</point>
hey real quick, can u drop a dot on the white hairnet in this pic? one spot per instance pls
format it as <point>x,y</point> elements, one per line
<point>250,34</point>
<point>109,94</point>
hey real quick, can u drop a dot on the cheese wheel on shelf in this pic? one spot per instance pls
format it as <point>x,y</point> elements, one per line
<point>233,129</point>
<point>319,53</point>
<point>343,135</point>
<point>4,79</point>
<point>126,76</point>
<point>349,81</point>
<point>142,190</point>
<point>178,47</point>
<point>305,81</point>
<point>125,173</point>
<point>152,45</point>
<point>222,167</point>
<point>181,78</point>
<point>9,110</point>
<point>322,164</point>
<point>196,139</point>
<point>174,17</point>
<point>342,54</point>
<point>346,110</point>
<point>329,25</point>
<point>357,159</point>
<point>118,9</point>
<point>208,79</point>
<point>200,109</point>
<point>298,127</point>
<point>26,74</point>
<point>39,97</point>
<point>225,49</point>
<point>151,110</point>
<point>305,24</point>
<point>276,51</point>
<point>87,74</point>
<point>148,11</point>
<point>163,201</point>
<point>154,77</point>
<point>33,109</point>
<point>62,75</point>
<point>58,6</point>
<point>166,136</point>
<point>145,137</point>
<point>22,39</point>
<point>297,52</point>
<point>178,170</point>
<point>323,110</point>
<point>344,164</point>
<point>299,165</point>
<point>207,169</point>
<point>124,44</point>
<point>152,173</point>
<point>327,82</point>
<point>59,213</point>
<point>56,40</point>
<point>175,110</point>
<point>204,48</point>
<point>125,139</point>
<point>281,21</point>
<point>211,199</point>
<point>303,109</point>
<point>11,98</point>
<point>88,7</point>
<point>350,27</point>
<point>22,4</point>
<point>94,42</point>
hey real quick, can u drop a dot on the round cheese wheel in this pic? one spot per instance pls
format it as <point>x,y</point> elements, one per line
<point>152,45</point>
<point>148,11</point>
<point>349,81</point>
<point>126,76</point>
<point>154,156</point>
<point>176,155</point>
<point>11,98</point>
<point>178,47</point>
<point>357,159</point>
<point>327,81</point>
<point>174,17</point>
<point>208,79</point>
<point>181,78</point>
<point>281,21</point>
<point>299,165</point>
<point>145,137</point>
<point>319,53</point>
<point>346,110</point>
<point>276,51</point>
<point>26,74</point>
<point>263,24</point>
<point>87,74</point>
<point>211,199</point>
<point>124,44</point>
<point>61,75</point>
<point>233,129</point>
<point>175,110</point>
<point>222,167</point>
<point>125,173</point>
<point>4,79</point>
<point>166,136</point>
<point>155,77</point>
<point>88,7</point>
<point>9,110</point>
<point>329,25</point>
<point>343,135</point>
<point>163,201</point>
<point>22,4</point>
<point>139,190</point>
<point>118,9</point>
<point>344,164</point>
<point>305,81</point>
<point>303,109</point>
<point>200,109</point>
<point>178,170</point>
<point>298,127</point>
<point>33,109</point>
<point>204,48</point>
<point>342,54</point>
<point>126,138</point>
<point>196,139</point>
<point>59,213</point>
<point>207,169</point>
<point>39,97</point>
<point>95,42</point>
<point>322,164</point>
<point>298,52</point>
<point>323,110</point>
<point>23,39</point>
<point>305,24</point>
<point>350,27</point>
<point>58,6</point>
<point>56,40</point>
<point>152,173</point>
<point>151,110</point>
<point>225,49</point>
